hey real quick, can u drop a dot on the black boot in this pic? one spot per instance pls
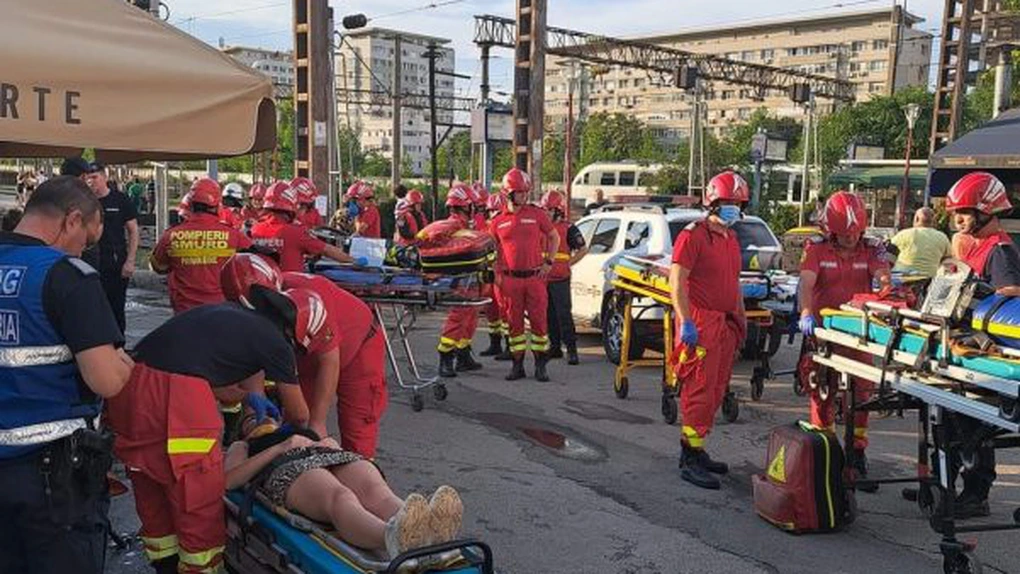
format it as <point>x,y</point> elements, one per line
<point>495,347</point>
<point>541,359</point>
<point>446,365</point>
<point>572,358</point>
<point>861,468</point>
<point>465,362</point>
<point>968,505</point>
<point>555,352</point>
<point>505,354</point>
<point>713,466</point>
<point>166,565</point>
<point>692,469</point>
<point>517,371</point>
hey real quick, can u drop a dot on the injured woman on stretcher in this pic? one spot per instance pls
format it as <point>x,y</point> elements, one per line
<point>296,470</point>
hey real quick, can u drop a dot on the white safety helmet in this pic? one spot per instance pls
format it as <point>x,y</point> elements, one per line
<point>234,190</point>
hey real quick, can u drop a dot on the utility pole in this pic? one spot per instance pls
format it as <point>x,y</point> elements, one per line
<point>805,187</point>
<point>312,98</point>
<point>397,89</point>
<point>432,54</point>
<point>1003,82</point>
<point>696,159</point>
<point>529,88</point>
<point>911,111</point>
<point>486,171</point>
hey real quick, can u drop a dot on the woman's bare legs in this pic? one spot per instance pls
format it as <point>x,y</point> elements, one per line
<point>375,495</point>
<point>318,495</point>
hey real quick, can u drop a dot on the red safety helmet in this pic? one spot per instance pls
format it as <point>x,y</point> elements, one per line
<point>306,190</point>
<point>366,191</point>
<point>184,208</point>
<point>726,186</point>
<point>516,180</point>
<point>845,214</point>
<point>414,197</point>
<point>481,193</point>
<point>242,271</point>
<point>206,191</point>
<point>496,202</point>
<point>553,201</point>
<point>280,197</point>
<point>257,193</point>
<point>309,318</point>
<point>352,191</point>
<point>981,191</point>
<point>460,195</point>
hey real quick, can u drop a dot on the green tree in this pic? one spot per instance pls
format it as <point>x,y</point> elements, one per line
<point>285,137</point>
<point>375,165</point>
<point>617,137</point>
<point>453,157</point>
<point>553,157</point>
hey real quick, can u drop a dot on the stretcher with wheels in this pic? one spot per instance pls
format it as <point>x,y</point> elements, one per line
<point>641,278</point>
<point>396,296</point>
<point>263,539</point>
<point>915,365</point>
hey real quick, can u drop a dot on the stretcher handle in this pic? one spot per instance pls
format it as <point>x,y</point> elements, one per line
<point>908,313</point>
<point>465,544</point>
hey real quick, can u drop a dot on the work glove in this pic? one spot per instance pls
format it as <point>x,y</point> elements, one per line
<point>689,333</point>
<point>262,406</point>
<point>807,325</point>
<point>352,210</point>
<point>361,262</point>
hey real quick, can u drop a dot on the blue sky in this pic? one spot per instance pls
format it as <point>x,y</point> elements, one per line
<point>266,23</point>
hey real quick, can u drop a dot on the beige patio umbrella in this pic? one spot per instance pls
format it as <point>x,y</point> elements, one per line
<point>103,74</point>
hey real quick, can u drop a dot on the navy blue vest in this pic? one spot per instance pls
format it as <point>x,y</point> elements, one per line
<point>39,380</point>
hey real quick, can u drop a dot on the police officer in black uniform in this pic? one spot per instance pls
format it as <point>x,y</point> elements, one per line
<point>59,353</point>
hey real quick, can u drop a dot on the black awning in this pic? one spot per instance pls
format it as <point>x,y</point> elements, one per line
<point>994,147</point>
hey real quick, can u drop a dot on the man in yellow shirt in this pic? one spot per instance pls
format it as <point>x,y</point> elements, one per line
<point>922,247</point>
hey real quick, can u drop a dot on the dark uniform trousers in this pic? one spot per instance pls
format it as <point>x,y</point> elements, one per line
<point>48,525</point>
<point>561,318</point>
<point>116,287</point>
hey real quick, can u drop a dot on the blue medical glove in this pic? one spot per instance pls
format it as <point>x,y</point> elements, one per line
<point>361,262</point>
<point>689,333</point>
<point>807,325</point>
<point>262,406</point>
<point>352,210</point>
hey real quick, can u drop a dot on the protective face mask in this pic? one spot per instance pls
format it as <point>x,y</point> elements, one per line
<point>729,214</point>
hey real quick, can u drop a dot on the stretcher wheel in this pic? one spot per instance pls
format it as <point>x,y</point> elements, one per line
<point>730,407</point>
<point>965,562</point>
<point>757,384</point>
<point>417,403</point>
<point>621,386</point>
<point>440,392</point>
<point>670,409</point>
<point>1009,409</point>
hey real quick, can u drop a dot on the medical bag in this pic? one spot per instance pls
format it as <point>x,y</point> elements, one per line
<point>465,251</point>
<point>802,488</point>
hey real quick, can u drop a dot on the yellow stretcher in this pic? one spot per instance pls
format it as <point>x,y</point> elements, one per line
<point>635,278</point>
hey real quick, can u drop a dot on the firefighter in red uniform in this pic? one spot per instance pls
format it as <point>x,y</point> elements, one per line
<point>253,210</point>
<point>193,252</point>
<point>168,426</point>
<point>455,339</point>
<point>572,249</point>
<point>495,313</point>
<point>480,195</point>
<point>705,289</point>
<point>368,223</point>
<point>184,207</point>
<point>292,242</point>
<point>833,270</point>
<point>233,205</point>
<point>988,250</point>
<point>522,235</point>
<point>307,215</point>
<point>410,218</point>
<point>347,370</point>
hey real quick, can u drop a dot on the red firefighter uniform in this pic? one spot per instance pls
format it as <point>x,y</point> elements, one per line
<point>460,324</point>
<point>310,217</point>
<point>231,217</point>
<point>361,389</point>
<point>521,237</point>
<point>409,223</point>
<point>168,426</point>
<point>193,253</point>
<point>841,275</point>
<point>495,313</point>
<point>369,216</point>
<point>713,288</point>
<point>293,242</point>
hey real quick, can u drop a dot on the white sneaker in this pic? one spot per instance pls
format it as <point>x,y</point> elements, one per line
<point>446,513</point>
<point>409,527</point>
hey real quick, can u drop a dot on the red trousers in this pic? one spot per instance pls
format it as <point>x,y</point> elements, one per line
<point>526,296</point>
<point>168,428</point>
<point>702,393</point>
<point>361,397</point>
<point>459,329</point>
<point>494,312</point>
<point>823,412</point>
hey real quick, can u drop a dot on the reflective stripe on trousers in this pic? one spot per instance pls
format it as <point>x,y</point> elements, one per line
<point>159,548</point>
<point>40,433</point>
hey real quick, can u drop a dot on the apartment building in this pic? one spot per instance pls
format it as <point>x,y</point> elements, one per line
<point>365,80</point>
<point>279,66</point>
<point>858,46</point>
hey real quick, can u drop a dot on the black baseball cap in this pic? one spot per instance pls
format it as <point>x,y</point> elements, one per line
<point>96,166</point>
<point>75,167</point>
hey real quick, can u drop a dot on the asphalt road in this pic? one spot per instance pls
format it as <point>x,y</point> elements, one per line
<point>565,477</point>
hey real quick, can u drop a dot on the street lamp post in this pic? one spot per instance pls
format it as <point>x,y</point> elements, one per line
<point>912,112</point>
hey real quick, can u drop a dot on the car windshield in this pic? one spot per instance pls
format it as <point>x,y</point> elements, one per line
<point>749,232</point>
